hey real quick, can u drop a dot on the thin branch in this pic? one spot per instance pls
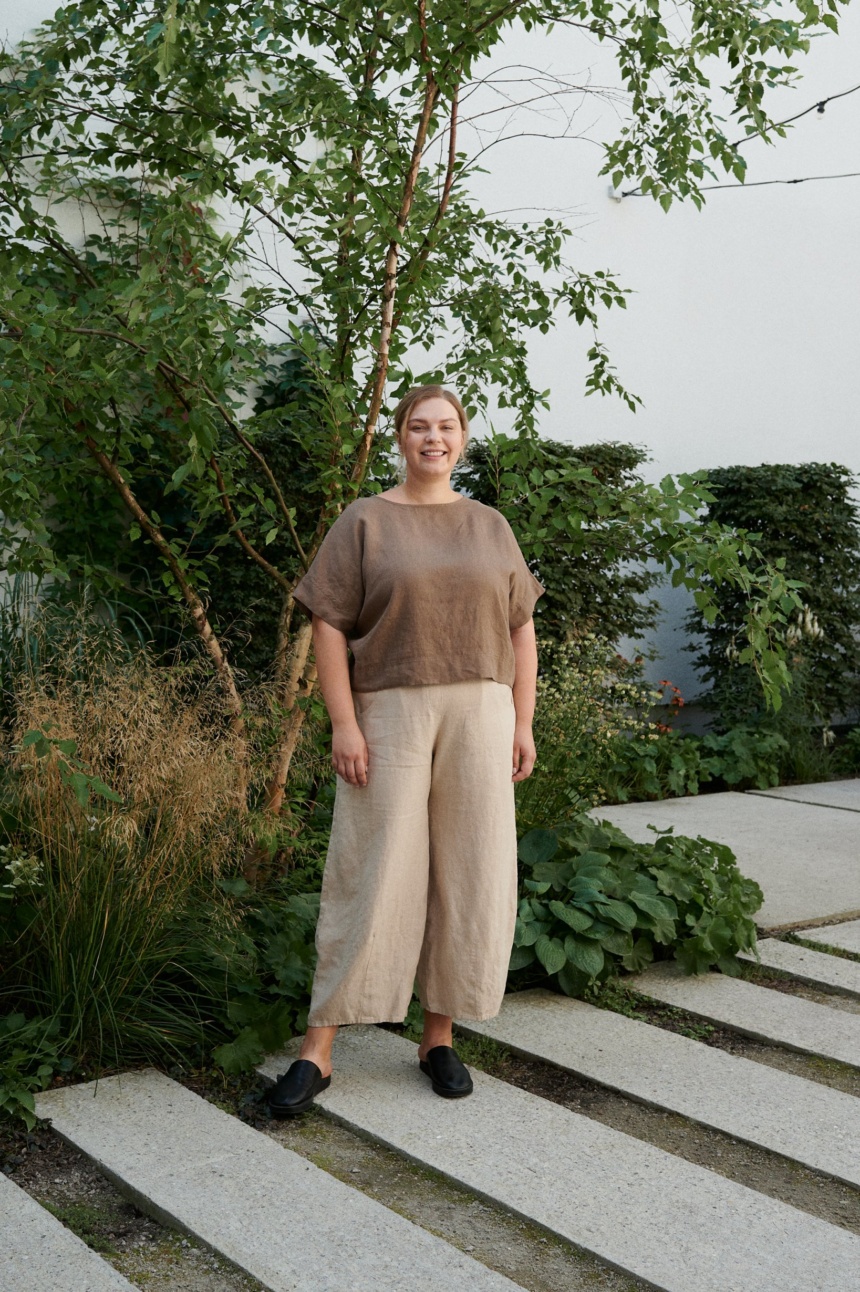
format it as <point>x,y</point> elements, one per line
<point>249,549</point>
<point>431,95</point>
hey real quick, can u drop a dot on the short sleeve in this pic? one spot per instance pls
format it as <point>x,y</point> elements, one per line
<point>333,587</point>
<point>524,590</point>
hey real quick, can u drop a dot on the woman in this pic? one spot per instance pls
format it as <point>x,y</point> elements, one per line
<point>431,726</point>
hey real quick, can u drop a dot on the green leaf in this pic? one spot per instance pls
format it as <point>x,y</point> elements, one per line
<point>569,915</point>
<point>521,957</point>
<point>617,913</point>
<point>640,956</point>
<point>550,953</point>
<point>583,955</point>
<point>537,846</point>
<point>240,1055</point>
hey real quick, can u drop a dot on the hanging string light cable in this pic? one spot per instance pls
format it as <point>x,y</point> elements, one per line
<point>818,107</point>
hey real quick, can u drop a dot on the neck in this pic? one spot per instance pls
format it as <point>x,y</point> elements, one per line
<point>427,491</point>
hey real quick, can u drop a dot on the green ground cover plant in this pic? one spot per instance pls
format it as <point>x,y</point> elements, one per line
<point>595,903</point>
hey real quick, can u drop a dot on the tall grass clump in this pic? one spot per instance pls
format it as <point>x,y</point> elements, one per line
<point>125,810</point>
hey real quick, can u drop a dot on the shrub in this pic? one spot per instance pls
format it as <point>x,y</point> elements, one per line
<point>669,764</point>
<point>589,701</point>
<point>595,902</point>
<point>602,586</point>
<point>804,515</point>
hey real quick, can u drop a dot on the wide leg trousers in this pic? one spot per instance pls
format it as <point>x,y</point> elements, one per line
<point>420,877</point>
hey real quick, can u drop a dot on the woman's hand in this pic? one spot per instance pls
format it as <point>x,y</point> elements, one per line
<point>349,753</point>
<point>525,753</point>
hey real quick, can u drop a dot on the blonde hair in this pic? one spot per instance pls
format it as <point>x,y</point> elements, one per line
<point>417,395</point>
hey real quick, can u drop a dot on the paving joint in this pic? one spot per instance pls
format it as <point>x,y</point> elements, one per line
<point>796,1184</point>
<point>517,1147</point>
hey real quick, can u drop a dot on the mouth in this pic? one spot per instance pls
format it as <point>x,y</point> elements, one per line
<point>433,453</point>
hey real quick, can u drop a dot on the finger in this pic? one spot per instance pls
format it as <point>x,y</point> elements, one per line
<point>357,771</point>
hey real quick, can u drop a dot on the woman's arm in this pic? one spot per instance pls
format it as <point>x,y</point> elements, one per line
<point>525,685</point>
<point>349,753</point>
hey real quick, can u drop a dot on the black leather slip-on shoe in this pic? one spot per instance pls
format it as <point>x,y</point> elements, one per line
<point>296,1090</point>
<point>449,1076</point>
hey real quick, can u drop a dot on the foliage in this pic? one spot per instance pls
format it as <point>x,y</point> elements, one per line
<point>656,764</point>
<point>597,902</point>
<point>804,515</point>
<point>180,186</point>
<point>590,701</point>
<point>119,822</point>
<point>29,1058</point>
<point>660,523</point>
<point>272,959</point>
<point>600,584</point>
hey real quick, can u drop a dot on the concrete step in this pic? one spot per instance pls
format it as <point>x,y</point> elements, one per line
<point>652,1215</point>
<point>38,1254</point>
<point>760,1012</point>
<point>269,1211</point>
<point>832,794</point>
<point>846,937</point>
<point>803,856</point>
<point>815,967</point>
<point>798,1119</point>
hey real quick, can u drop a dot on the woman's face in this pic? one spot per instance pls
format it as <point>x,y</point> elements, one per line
<point>431,439</point>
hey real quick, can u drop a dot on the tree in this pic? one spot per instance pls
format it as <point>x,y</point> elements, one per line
<point>296,168</point>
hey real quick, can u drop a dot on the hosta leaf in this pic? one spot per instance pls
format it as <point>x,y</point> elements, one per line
<point>574,918</point>
<point>659,908</point>
<point>583,955</point>
<point>584,891</point>
<point>521,957</point>
<point>617,943</point>
<point>551,953</point>
<point>526,935</point>
<point>598,929</point>
<point>571,980</point>
<point>617,912</point>
<point>537,846</point>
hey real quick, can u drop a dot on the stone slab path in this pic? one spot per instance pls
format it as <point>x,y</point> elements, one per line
<point>38,1254</point>
<point>755,1011</point>
<point>844,936</point>
<point>806,858</point>
<point>269,1211</point>
<point>646,1212</point>
<point>720,1090</point>
<point>832,794</point>
<point>816,967</point>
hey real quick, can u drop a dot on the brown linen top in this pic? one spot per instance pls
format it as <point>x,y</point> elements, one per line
<point>425,593</point>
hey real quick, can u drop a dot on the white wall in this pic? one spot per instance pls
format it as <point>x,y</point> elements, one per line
<point>743,335</point>
<point>743,338</point>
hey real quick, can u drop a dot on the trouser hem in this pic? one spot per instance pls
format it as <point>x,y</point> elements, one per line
<point>350,1022</point>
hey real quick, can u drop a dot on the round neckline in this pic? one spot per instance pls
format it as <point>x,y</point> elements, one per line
<point>460,498</point>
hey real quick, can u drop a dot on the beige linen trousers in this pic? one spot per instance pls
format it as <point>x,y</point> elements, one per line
<point>420,877</point>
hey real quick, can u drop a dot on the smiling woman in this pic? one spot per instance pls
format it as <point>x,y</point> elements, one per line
<point>432,431</point>
<point>425,648</point>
